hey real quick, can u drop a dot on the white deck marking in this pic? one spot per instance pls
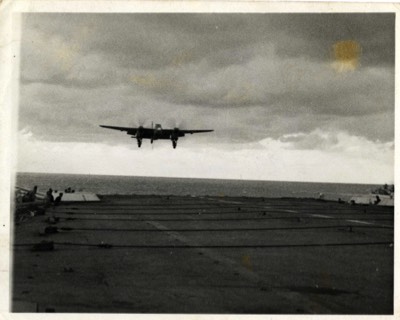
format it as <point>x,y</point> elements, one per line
<point>226,201</point>
<point>358,221</point>
<point>354,221</point>
<point>322,216</point>
<point>375,224</point>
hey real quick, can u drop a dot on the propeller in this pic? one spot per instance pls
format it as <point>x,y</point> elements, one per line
<point>140,121</point>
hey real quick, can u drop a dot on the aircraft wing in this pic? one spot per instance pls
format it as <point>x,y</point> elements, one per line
<point>119,128</point>
<point>195,131</point>
<point>145,132</point>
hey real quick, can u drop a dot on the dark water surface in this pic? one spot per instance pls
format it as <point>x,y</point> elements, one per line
<point>125,185</point>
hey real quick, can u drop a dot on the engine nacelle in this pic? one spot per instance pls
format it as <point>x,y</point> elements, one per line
<point>175,134</point>
<point>139,132</point>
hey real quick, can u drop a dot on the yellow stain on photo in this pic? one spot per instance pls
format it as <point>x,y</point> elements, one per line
<point>346,55</point>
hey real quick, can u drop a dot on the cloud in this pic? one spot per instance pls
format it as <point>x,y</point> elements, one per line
<point>337,142</point>
<point>268,88</point>
<point>140,38</point>
<point>340,158</point>
<point>314,140</point>
<point>250,77</point>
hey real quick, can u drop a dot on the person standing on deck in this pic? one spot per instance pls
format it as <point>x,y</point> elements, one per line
<point>49,196</point>
<point>58,199</point>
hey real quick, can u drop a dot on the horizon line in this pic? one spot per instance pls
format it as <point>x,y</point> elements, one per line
<point>201,178</point>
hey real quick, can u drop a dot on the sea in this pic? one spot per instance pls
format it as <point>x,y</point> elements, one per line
<point>136,185</point>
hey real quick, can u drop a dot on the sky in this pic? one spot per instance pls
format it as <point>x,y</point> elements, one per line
<point>292,97</point>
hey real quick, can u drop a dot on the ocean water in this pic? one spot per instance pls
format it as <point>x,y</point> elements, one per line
<point>125,185</point>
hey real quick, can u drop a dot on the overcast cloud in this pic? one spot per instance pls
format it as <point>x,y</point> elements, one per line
<point>251,77</point>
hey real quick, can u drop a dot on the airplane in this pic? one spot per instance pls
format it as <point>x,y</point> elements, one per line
<point>156,133</point>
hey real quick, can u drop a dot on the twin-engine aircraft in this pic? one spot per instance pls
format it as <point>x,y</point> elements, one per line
<point>156,133</point>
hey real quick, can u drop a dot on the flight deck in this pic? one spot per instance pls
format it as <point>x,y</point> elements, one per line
<point>219,255</point>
